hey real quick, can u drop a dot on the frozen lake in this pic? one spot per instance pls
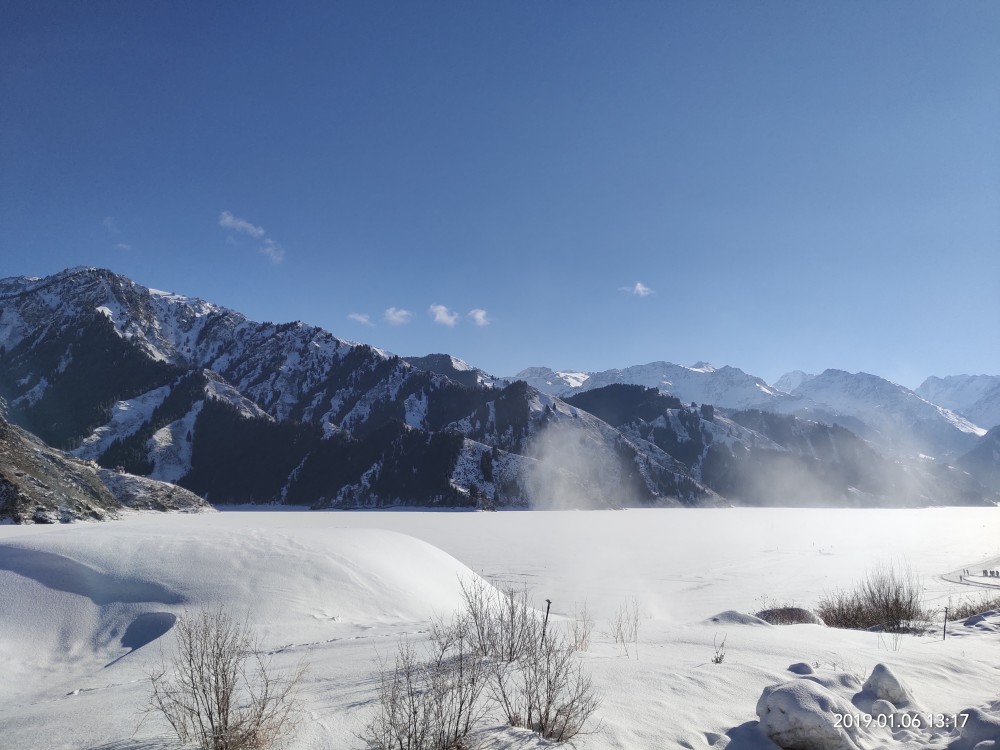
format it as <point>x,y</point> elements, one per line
<point>340,588</point>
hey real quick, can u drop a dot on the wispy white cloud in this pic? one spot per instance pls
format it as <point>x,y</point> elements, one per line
<point>479,317</point>
<point>268,247</point>
<point>273,250</point>
<point>443,316</point>
<point>123,246</point>
<point>396,316</point>
<point>110,224</point>
<point>639,290</point>
<point>361,318</point>
<point>228,221</point>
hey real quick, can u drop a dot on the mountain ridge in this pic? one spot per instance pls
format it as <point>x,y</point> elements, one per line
<point>117,371</point>
<point>177,388</point>
<point>854,400</point>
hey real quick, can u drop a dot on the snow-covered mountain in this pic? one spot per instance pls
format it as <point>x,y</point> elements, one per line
<point>180,389</point>
<point>976,397</point>
<point>455,369</point>
<point>792,380</point>
<point>898,418</point>
<point>185,390</point>
<point>762,458</point>
<point>893,417</point>
<point>983,461</point>
<point>700,383</point>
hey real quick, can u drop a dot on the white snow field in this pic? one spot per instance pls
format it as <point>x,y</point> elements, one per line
<point>86,609</point>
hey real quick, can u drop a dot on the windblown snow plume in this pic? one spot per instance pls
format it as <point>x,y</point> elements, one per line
<point>574,468</point>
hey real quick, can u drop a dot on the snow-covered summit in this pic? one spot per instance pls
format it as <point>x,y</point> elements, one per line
<point>897,415</point>
<point>455,369</point>
<point>957,392</point>
<point>976,397</point>
<point>892,416</point>
<point>792,380</point>
<point>701,382</point>
<point>167,326</point>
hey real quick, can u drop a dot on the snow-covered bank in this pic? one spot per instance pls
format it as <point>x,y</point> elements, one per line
<point>339,588</point>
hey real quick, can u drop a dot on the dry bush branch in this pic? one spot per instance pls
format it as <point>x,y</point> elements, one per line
<point>430,703</point>
<point>625,626</point>
<point>987,602</point>
<point>583,627</point>
<point>495,647</point>
<point>885,598</point>
<point>219,690</point>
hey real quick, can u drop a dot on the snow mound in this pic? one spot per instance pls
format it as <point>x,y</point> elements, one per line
<point>986,621</point>
<point>885,685</point>
<point>802,714</point>
<point>80,601</point>
<point>882,708</point>
<point>981,731</point>
<point>732,617</point>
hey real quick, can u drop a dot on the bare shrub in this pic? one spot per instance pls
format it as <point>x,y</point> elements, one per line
<point>582,628</point>
<point>891,641</point>
<point>886,598</point>
<point>547,691</point>
<point>533,677</point>
<point>786,614</point>
<point>502,623</point>
<point>720,650</point>
<point>625,626</point>
<point>219,691</point>
<point>965,608</point>
<point>430,703</point>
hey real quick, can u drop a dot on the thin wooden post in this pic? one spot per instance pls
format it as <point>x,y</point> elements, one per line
<point>944,633</point>
<point>545,624</point>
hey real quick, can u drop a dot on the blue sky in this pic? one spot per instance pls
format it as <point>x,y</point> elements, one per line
<point>793,185</point>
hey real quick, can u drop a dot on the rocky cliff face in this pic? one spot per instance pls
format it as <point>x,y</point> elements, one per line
<point>39,484</point>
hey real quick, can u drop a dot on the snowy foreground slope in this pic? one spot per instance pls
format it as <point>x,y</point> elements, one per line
<point>87,608</point>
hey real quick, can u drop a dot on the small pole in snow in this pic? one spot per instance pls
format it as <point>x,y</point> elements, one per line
<point>545,624</point>
<point>944,633</point>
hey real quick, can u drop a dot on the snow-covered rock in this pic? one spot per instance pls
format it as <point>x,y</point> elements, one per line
<point>981,731</point>
<point>801,715</point>
<point>732,617</point>
<point>142,493</point>
<point>885,685</point>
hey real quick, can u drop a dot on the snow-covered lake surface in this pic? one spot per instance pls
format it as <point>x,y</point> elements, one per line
<point>340,589</point>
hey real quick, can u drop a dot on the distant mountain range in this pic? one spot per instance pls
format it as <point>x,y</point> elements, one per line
<point>185,391</point>
<point>976,397</point>
<point>892,417</point>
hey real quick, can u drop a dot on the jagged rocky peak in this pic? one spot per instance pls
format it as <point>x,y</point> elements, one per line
<point>453,368</point>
